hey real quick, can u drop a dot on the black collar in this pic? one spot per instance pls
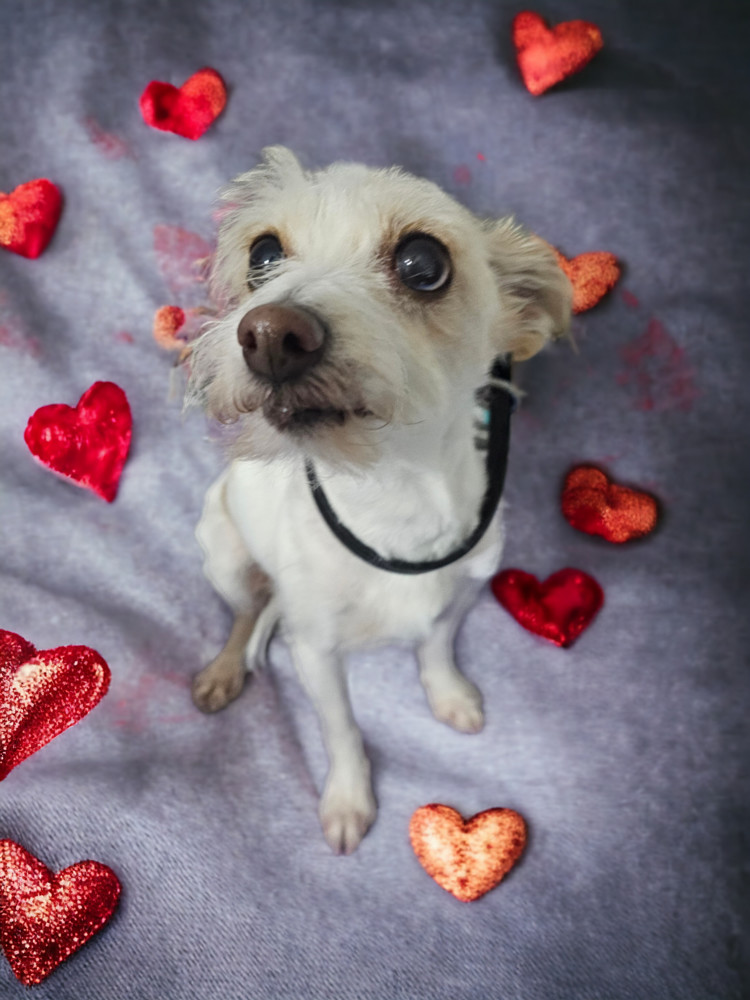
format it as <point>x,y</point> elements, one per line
<point>497,397</point>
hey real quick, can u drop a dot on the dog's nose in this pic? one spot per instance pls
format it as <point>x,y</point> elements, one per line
<point>281,343</point>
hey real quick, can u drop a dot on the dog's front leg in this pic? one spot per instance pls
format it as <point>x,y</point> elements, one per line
<point>347,805</point>
<point>452,698</point>
<point>222,680</point>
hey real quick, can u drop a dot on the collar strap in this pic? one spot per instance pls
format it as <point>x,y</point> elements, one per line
<point>500,401</point>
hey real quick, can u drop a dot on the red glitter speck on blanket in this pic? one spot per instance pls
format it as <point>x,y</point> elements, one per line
<point>629,299</point>
<point>657,371</point>
<point>109,144</point>
<point>134,709</point>
<point>150,701</point>
<point>462,174</point>
<point>181,256</point>
<point>17,341</point>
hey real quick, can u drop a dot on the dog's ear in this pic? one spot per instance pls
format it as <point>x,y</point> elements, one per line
<point>536,295</point>
<point>278,166</point>
<point>279,162</point>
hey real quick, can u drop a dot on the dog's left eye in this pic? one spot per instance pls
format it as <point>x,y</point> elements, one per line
<point>422,263</point>
<point>264,253</point>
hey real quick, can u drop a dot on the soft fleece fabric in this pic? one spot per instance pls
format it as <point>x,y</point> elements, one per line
<point>625,753</point>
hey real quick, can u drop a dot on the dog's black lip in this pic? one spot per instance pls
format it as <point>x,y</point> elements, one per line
<point>311,416</point>
<point>289,418</point>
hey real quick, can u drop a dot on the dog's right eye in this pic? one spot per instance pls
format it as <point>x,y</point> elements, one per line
<point>264,253</point>
<point>422,263</point>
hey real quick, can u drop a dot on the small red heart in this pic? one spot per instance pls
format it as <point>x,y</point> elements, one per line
<point>189,110</point>
<point>168,321</point>
<point>87,444</point>
<point>43,693</point>
<point>592,275</point>
<point>591,502</point>
<point>467,857</point>
<point>547,56</point>
<point>29,216</point>
<point>45,917</point>
<point>559,608</point>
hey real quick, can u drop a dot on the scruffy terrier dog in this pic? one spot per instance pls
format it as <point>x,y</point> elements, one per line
<point>362,310</point>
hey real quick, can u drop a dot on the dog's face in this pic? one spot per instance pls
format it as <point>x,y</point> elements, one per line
<point>357,300</point>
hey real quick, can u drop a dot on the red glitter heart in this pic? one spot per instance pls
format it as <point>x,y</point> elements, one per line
<point>87,444</point>
<point>467,857</point>
<point>29,216</point>
<point>188,110</point>
<point>559,608</point>
<point>592,275</point>
<point>43,693</point>
<point>593,503</point>
<point>45,917</point>
<point>547,56</point>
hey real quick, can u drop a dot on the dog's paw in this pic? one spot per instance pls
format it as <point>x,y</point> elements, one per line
<point>457,703</point>
<point>218,684</point>
<point>346,815</point>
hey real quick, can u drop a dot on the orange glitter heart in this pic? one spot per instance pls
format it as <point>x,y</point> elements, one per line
<point>591,502</point>
<point>547,56</point>
<point>188,110</point>
<point>168,321</point>
<point>29,217</point>
<point>46,917</point>
<point>43,693</point>
<point>467,857</point>
<point>592,275</point>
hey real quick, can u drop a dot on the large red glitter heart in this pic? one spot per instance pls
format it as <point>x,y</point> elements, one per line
<point>45,917</point>
<point>467,857</point>
<point>592,503</point>
<point>592,275</point>
<point>547,56</point>
<point>559,608</point>
<point>43,693</point>
<point>87,444</point>
<point>189,110</point>
<point>29,216</point>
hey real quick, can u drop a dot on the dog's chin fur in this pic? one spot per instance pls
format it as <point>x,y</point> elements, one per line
<point>344,440</point>
<point>331,426</point>
<point>324,398</point>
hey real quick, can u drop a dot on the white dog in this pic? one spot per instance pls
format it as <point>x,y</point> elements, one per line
<point>361,310</point>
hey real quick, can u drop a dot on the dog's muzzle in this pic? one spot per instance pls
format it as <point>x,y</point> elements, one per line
<point>281,343</point>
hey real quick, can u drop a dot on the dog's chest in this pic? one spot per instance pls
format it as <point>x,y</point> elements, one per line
<point>392,608</point>
<point>321,584</point>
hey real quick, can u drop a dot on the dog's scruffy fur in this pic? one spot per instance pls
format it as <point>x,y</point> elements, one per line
<point>386,412</point>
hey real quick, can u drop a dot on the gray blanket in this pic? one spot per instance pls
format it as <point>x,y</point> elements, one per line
<point>625,753</point>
